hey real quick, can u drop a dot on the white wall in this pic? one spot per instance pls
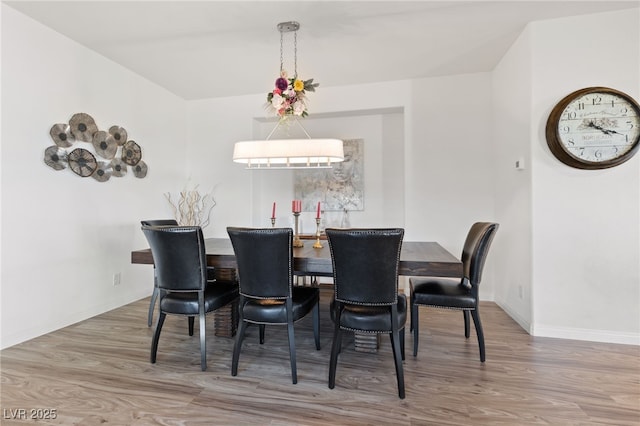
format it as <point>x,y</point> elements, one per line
<point>582,240</point>
<point>450,160</point>
<point>512,142</point>
<point>63,237</point>
<point>586,239</point>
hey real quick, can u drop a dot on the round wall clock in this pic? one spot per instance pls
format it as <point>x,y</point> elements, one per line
<point>594,128</point>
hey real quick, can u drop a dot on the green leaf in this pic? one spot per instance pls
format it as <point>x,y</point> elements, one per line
<point>310,85</point>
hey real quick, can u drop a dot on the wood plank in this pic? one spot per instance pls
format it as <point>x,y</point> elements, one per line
<point>98,372</point>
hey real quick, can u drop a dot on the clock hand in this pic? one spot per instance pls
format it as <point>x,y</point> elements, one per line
<point>605,131</point>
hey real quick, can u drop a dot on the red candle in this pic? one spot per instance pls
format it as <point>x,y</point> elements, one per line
<point>318,214</point>
<point>296,206</point>
<point>273,211</point>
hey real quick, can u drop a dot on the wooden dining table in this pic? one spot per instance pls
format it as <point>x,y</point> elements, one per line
<point>417,258</point>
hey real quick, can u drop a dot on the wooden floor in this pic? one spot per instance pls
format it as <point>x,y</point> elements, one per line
<point>97,372</point>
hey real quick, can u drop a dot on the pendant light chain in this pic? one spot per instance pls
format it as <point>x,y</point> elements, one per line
<point>281,57</point>
<point>295,54</point>
<point>295,51</point>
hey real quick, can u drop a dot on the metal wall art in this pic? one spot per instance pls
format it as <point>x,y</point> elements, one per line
<point>88,151</point>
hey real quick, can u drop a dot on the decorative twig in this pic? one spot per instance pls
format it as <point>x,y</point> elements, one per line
<point>192,209</point>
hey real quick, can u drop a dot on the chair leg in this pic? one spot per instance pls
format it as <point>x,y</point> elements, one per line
<point>395,344</point>
<point>203,342</point>
<point>402,343</point>
<point>292,352</point>
<point>316,324</point>
<point>340,343</point>
<point>411,303</point>
<point>416,329</point>
<point>465,314</point>
<point>237,346</point>
<point>335,350</point>
<point>476,320</point>
<point>156,337</point>
<point>191,321</point>
<point>152,305</point>
<point>261,328</point>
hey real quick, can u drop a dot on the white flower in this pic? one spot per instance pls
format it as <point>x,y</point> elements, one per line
<point>299,107</point>
<point>277,101</point>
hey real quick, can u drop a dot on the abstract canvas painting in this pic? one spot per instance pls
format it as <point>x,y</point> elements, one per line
<point>339,188</point>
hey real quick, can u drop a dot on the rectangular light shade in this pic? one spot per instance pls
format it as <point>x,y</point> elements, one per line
<point>289,153</point>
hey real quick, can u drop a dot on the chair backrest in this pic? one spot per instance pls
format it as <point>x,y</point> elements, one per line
<point>179,256</point>
<point>476,248</point>
<point>264,257</point>
<point>160,222</point>
<point>365,264</point>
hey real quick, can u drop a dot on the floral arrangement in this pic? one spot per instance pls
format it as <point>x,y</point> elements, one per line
<point>289,96</point>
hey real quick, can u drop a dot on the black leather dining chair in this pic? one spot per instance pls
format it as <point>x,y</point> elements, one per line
<point>154,295</point>
<point>452,293</point>
<point>366,300</point>
<point>181,274</point>
<point>211,273</point>
<point>264,258</point>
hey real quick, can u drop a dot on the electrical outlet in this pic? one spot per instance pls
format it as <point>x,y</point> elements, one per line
<point>520,292</point>
<point>116,278</point>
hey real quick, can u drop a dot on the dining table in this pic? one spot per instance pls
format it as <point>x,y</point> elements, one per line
<point>417,258</point>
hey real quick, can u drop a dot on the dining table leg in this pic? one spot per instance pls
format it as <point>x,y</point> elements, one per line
<point>225,319</point>
<point>365,342</point>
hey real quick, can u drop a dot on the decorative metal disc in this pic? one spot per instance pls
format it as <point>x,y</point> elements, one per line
<point>140,169</point>
<point>103,172</point>
<point>82,162</point>
<point>83,127</point>
<point>119,134</point>
<point>61,135</point>
<point>55,157</point>
<point>119,167</point>
<point>104,144</point>
<point>131,153</point>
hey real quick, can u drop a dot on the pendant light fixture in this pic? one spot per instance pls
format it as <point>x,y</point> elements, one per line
<point>288,101</point>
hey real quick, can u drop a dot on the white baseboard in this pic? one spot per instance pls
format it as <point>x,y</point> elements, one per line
<point>514,316</point>
<point>604,336</point>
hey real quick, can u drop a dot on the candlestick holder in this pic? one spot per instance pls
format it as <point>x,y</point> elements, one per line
<point>317,244</point>
<point>297,242</point>
<point>273,222</point>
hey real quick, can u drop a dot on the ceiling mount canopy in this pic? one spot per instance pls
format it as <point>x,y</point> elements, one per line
<point>288,101</point>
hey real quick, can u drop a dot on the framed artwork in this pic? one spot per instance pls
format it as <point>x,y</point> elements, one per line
<point>339,188</point>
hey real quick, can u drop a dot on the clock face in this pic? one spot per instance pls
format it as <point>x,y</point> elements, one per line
<point>594,128</point>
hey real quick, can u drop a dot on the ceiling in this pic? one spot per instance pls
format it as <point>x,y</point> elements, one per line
<point>205,49</point>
